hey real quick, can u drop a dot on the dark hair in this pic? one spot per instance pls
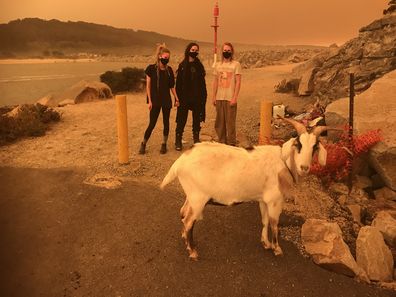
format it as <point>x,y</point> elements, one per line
<point>185,61</point>
<point>188,48</point>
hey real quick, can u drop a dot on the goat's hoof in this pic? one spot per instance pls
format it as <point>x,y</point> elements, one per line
<point>266,246</point>
<point>193,255</point>
<point>184,234</point>
<point>278,251</point>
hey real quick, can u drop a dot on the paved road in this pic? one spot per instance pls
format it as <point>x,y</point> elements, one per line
<point>61,237</point>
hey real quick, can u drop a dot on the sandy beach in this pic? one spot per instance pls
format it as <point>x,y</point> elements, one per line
<point>43,61</point>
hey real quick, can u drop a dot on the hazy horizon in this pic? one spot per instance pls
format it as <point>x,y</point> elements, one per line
<point>308,22</point>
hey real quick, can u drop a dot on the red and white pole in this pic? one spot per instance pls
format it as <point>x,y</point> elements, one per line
<point>215,26</point>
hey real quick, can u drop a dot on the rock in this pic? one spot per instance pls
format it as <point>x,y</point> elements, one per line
<point>323,241</point>
<point>66,102</point>
<point>383,160</point>
<point>306,86</point>
<point>390,286</point>
<point>370,107</point>
<point>370,55</point>
<point>287,85</point>
<point>342,199</point>
<point>373,255</point>
<point>385,194</point>
<point>377,181</point>
<point>362,182</point>
<point>83,91</point>
<point>295,58</point>
<point>356,212</point>
<point>385,222</point>
<point>291,83</point>
<point>339,188</point>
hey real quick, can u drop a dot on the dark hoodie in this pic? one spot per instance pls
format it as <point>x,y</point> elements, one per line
<point>191,86</point>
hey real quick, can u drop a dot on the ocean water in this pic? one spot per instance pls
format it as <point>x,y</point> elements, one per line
<point>28,82</point>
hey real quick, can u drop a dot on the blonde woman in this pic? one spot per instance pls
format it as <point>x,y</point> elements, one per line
<point>226,86</point>
<point>160,82</point>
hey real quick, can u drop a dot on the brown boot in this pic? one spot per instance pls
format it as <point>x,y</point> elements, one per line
<point>142,149</point>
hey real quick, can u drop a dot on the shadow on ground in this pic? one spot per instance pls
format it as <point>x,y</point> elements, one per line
<point>61,237</point>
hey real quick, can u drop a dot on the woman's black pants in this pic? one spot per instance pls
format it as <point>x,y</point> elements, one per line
<point>181,120</point>
<point>154,113</point>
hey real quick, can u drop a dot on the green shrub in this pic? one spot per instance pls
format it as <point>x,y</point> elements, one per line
<point>127,80</point>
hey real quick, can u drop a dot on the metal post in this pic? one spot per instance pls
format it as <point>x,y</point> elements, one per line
<point>265,122</point>
<point>122,128</point>
<point>350,131</point>
<point>215,26</point>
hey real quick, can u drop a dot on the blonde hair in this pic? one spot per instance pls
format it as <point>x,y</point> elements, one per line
<point>161,49</point>
<point>232,51</point>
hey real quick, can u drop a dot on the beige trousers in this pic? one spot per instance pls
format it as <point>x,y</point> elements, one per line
<point>225,124</point>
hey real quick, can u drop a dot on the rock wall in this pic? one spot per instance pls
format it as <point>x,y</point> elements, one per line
<point>370,55</point>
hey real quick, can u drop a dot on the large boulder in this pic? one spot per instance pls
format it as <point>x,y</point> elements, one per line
<point>83,91</point>
<point>373,109</point>
<point>385,222</point>
<point>323,241</point>
<point>370,55</point>
<point>373,255</point>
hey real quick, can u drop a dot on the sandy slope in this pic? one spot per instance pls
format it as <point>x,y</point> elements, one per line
<point>86,137</point>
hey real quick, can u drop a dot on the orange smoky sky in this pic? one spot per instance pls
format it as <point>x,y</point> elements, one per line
<point>273,22</point>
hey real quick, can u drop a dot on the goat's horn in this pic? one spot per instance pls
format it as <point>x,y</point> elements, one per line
<point>300,128</point>
<point>319,130</point>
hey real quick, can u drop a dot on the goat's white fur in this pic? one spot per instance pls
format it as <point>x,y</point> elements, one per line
<point>229,175</point>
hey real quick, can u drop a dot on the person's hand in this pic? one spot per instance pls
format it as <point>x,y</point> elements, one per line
<point>150,105</point>
<point>233,102</point>
<point>177,103</point>
<point>214,102</point>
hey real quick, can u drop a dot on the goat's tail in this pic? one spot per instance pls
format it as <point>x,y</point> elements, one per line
<point>171,175</point>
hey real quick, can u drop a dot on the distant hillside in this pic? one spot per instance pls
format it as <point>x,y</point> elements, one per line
<point>33,35</point>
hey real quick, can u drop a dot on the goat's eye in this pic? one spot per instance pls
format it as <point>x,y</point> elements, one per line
<point>315,148</point>
<point>298,145</point>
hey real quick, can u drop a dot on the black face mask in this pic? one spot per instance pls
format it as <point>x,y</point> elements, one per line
<point>227,55</point>
<point>193,54</point>
<point>164,61</point>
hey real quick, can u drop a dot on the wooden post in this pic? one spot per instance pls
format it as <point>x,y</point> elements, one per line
<point>265,122</point>
<point>350,131</point>
<point>122,128</point>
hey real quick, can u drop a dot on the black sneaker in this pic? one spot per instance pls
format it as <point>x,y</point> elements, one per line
<point>178,143</point>
<point>196,138</point>
<point>163,149</point>
<point>142,149</point>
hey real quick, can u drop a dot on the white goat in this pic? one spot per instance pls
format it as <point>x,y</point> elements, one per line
<point>227,175</point>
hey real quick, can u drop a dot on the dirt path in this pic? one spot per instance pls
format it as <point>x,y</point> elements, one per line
<point>61,237</point>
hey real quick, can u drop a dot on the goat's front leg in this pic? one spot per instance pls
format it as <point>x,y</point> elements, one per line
<point>264,218</point>
<point>184,209</point>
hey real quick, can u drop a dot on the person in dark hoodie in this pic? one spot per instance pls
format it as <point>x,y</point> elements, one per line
<point>160,82</point>
<point>191,91</point>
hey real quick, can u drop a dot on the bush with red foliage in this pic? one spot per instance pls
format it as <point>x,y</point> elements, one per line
<point>340,155</point>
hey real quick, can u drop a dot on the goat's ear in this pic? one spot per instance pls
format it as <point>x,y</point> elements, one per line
<point>287,148</point>
<point>322,155</point>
